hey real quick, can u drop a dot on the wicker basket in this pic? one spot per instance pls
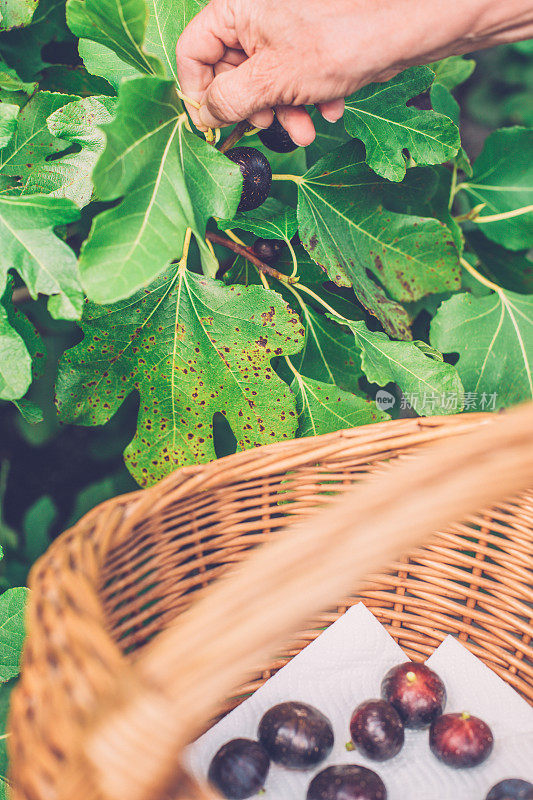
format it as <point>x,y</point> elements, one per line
<point>105,705</point>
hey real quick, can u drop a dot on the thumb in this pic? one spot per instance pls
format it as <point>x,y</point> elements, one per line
<point>238,93</point>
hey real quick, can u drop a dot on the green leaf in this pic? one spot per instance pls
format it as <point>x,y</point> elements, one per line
<point>508,269</point>
<point>450,72</point>
<point>164,25</point>
<point>74,81</point>
<point>430,386</point>
<point>503,179</point>
<point>329,136</point>
<point>5,696</point>
<point>518,108</point>
<point>8,122</point>
<point>30,411</point>
<point>118,24</point>
<point>323,408</point>
<point>347,231</point>
<point>272,220</point>
<point>445,103</point>
<point>95,493</point>
<point>10,81</point>
<point>169,180</point>
<point>28,243</point>
<point>379,116</point>
<point>425,192</point>
<point>428,350</point>
<point>21,350</point>
<point>166,22</point>
<point>21,47</point>
<point>29,345</point>
<point>16,13</point>
<point>12,604</point>
<point>494,338</point>
<point>33,142</point>
<point>78,124</point>
<point>15,360</point>
<point>308,270</point>
<point>191,347</point>
<point>37,524</point>
<point>101,61</point>
<point>525,47</point>
<point>329,354</point>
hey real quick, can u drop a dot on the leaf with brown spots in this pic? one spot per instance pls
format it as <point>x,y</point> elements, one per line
<point>191,347</point>
<point>345,228</point>
<point>78,125</point>
<point>32,141</point>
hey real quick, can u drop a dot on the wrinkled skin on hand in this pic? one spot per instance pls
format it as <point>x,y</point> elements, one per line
<point>241,58</point>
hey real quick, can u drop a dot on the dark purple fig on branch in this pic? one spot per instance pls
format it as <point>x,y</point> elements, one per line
<point>460,740</point>
<point>256,176</point>
<point>268,250</point>
<point>377,730</point>
<point>276,138</point>
<point>511,789</point>
<point>239,769</point>
<point>296,735</point>
<point>416,692</point>
<point>347,782</point>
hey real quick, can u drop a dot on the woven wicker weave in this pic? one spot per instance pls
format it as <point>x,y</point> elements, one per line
<point>131,567</point>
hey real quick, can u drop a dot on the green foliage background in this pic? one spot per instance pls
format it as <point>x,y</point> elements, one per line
<point>121,359</point>
<point>56,93</point>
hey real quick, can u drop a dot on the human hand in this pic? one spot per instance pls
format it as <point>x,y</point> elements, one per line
<point>241,58</point>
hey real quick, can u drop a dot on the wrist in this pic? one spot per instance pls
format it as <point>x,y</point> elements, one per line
<point>421,31</point>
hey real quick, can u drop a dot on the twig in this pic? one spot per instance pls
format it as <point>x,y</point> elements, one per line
<point>247,253</point>
<point>237,133</point>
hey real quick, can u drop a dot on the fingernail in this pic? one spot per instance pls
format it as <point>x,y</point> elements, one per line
<point>207,119</point>
<point>332,117</point>
<point>302,142</point>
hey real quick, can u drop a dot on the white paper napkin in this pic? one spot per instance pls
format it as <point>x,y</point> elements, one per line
<point>343,667</point>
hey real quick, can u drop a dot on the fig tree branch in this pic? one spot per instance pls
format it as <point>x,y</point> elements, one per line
<point>236,135</point>
<point>245,252</point>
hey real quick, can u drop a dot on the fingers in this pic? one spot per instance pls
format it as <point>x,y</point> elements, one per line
<point>239,94</point>
<point>261,119</point>
<point>203,43</point>
<point>332,110</point>
<point>297,123</point>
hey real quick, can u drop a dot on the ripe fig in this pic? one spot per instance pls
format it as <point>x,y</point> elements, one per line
<point>256,175</point>
<point>268,250</point>
<point>277,139</point>
<point>416,692</point>
<point>239,769</point>
<point>347,782</point>
<point>296,735</point>
<point>377,730</point>
<point>511,789</point>
<point>460,740</point>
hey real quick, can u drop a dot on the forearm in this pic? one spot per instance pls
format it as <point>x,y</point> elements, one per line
<point>303,52</point>
<point>433,29</point>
